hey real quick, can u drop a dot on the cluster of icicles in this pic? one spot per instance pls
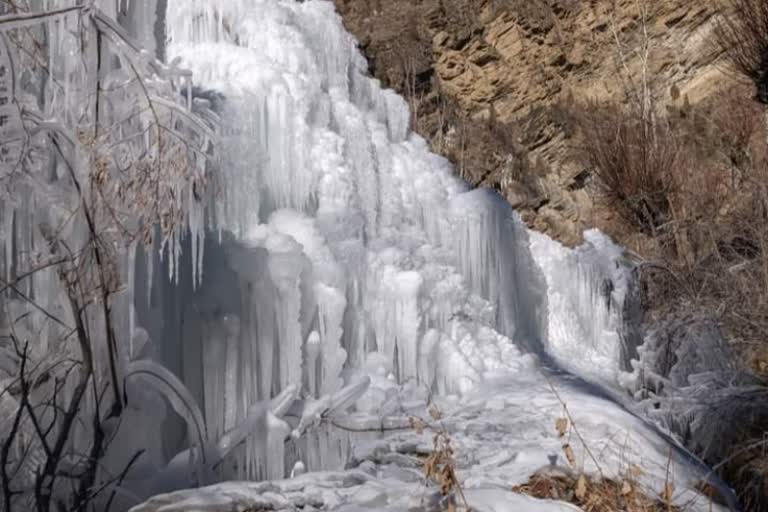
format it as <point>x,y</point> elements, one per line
<point>348,263</point>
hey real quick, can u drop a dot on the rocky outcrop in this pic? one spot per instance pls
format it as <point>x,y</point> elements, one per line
<point>491,82</point>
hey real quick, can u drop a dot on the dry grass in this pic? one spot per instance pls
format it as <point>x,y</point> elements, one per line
<point>596,492</point>
<point>593,494</point>
<point>694,182</point>
<point>750,476</point>
<point>701,208</point>
<point>440,465</point>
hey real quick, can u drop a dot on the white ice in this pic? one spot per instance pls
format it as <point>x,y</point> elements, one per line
<point>354,281</point>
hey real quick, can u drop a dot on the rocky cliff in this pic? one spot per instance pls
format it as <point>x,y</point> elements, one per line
<point>490,83</point>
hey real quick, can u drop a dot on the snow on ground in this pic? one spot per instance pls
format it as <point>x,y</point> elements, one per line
<point>503,431</point>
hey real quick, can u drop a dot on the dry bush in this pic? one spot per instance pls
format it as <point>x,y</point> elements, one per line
<point>693,181</point>
<point>749,474</point>
<point>593,494</point>
<point>741,255</point>
<point>119,157</point>
<point>724,269</point>
<point>743,36</point>
<point>634,160</point>
<point>721,214</point>
<point>707,251</point>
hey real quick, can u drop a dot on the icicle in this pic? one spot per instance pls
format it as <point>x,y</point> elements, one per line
<point>287,282</point>
<point>313,348</point>
<point>427,356</point>
<point>397,319</point>
<point>278,432</point>
<point>232,394</point>
<point>214,362</point>
<point>347,396</point>
<point>194,225</point>
<point>331,304</point>
<point>265,342</point>
<point>282,402</point>
<point>315,410</point>
<point>298,469</point>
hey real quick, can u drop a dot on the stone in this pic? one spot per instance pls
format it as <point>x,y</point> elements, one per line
<point>530,60</point>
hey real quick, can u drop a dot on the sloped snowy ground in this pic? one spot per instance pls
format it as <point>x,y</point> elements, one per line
<point>503,432</point>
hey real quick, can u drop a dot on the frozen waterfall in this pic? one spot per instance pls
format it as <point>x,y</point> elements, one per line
<point>349,233</point>
<point>340,269</point>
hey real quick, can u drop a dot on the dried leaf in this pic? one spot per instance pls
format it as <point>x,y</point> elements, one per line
<point>562,426</point>
<point>636,471</point>
<point>451,507</point>
<point>581,487</point>
<point>417,424</point>
<point>626,488</point>
<point>434,412</point>
<point>569,455</point>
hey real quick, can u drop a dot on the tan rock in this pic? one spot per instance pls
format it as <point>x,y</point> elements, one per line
<point>524,61</point>
<point>451,65</point>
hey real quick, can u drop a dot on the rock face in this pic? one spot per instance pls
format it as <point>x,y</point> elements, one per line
<point>491,81</point>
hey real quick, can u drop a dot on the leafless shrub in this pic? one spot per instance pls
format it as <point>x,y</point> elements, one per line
<point>40,450</point>
<point>632,150</point>
<point>634,160</point>
<point>693,181</point>
<point>715,261</point>
<point>440,465</point>
<point>743,36</point>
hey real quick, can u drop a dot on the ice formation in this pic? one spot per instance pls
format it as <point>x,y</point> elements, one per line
<point>350,238</point>
<point>340,267</point>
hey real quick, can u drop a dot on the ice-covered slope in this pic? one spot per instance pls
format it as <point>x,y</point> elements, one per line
<point>502,432</point>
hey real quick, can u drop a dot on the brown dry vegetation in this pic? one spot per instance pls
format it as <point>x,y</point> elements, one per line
<point>597,492</point>
<point>689,185</point>
<point>440,465</point>
<point>744,39</point>
<point>593,494</point>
